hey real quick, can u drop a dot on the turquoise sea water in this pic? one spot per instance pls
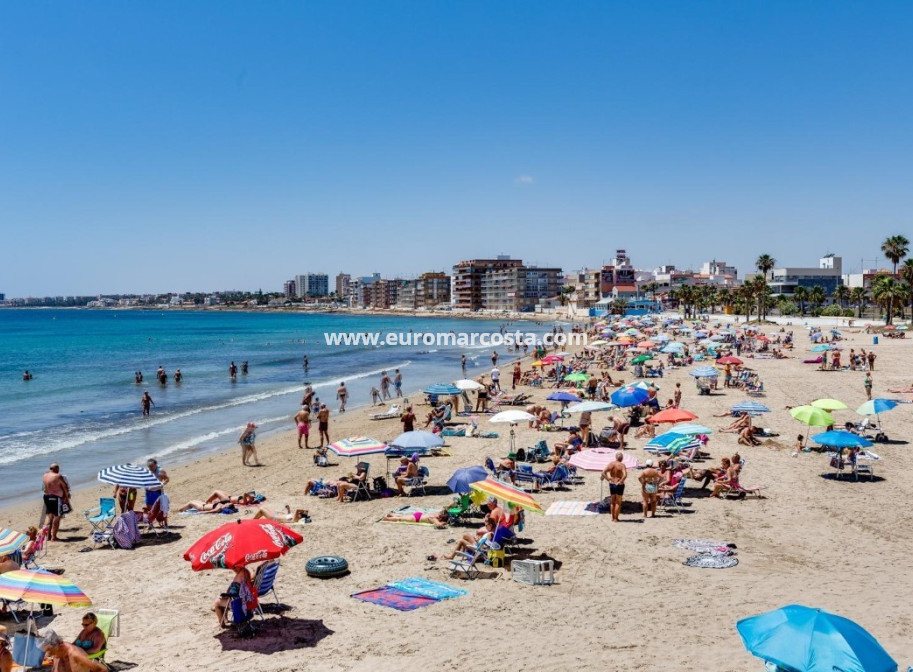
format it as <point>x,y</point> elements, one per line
<point>82,408</point>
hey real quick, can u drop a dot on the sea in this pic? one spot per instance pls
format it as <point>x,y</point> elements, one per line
<point>82,406</point>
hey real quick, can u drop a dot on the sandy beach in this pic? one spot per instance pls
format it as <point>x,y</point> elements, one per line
<point>622,600</point>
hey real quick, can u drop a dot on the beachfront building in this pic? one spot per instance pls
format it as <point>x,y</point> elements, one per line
<point>343,280</point>
<point>586,292</point>
<point>828,274</point>
<point>289,289</point>
<point>466,280</point>
<point>864,279</point>
<point>427,291</point>
<point>381,294</point>
<point>312,285</point>
<point>719,271</point>
<point>519,288</point>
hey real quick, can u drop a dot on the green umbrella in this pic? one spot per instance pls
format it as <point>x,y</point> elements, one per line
<point>577,377</point>
<point>640,359</point>
<point>811,416</point>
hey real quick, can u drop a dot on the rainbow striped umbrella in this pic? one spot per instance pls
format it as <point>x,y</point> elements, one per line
<point>508,493</point>
<point>41,588</point>
<point>11,541</point>
<point>356,446</point>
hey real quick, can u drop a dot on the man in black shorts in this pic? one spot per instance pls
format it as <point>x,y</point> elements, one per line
<point>616,473</point>
<point>55,493</point>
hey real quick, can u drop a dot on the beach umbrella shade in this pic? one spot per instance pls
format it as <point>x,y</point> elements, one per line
<point>129,476</point>
<point>689,428</point>
<point>671,442</point>
<point>466,384</point>
<point>672,415</point>
<point>576,377</point>
<point>629,396</point>
<point>591,406</point>
<point>829,404</point>
<point>563,396</point>
<point>597,343</point>
<point>801,638</point>
<point>417,439</point>
<point>507,493</point>
<point>640,359</point>
<point>459,482</point>
<point>839,438</point>
<point>811,416</point>
<point>552,359</point>
<point>673,348</point>
<point>822,348</point>
<point>876,406</point>
<point>41,587</point>
<point>537,363</point>
<point>704,372</point>
<point>729,360</point>
<point>836,333</point>
<point>597,459</point>
<point>562,353</point>
<point>646,345</point>
<point>442,388</point>
<point>357,446</point>
<point>241,543</point>
<point>11,541</point>
<point>512,417</point>
<point>749,407</point>
<point>662,338</point>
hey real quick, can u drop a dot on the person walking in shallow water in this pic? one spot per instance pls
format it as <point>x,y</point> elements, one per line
<point>146,402</point>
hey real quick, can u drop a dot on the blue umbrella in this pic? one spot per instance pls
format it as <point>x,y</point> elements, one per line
<point>417,439</point>
<point>689,428</point>
<point>810,640</point>
<point>673,348</point>
<point>749,407</point>
<point>839,438</point>
<point>443,388</point>
<point>563,396</point>
<point>876,406</point>
<point>704,372</point>
<point>670,441</point>
<point>459,482</point>
<point>129,476</point>
<point>629,396</point>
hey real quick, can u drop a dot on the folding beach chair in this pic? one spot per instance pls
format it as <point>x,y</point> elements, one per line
<point>101,516</point>
<point>461,507</point>
<point>465,561</point>
<point>417,483</point>
<point>265,582</point>
<point>673,500</point>
<point>363,490</point>
<point>39,550</point>
<point>109,624</point>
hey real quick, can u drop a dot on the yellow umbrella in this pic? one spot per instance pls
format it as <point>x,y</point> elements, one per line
<point>829,404</point>
<point>812,416</point>
<point>508,493</point>
<point>537,363</point>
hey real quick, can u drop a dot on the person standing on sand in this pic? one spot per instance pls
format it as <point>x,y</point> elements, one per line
<point>616,474</point>
<point>323,424</point>
<point>408,420</point>
<point>146,402</point>
<point>248,441</point>
<point>496,379</point>
<point>303,422</point>
<point>649,488</point>
<point>342,394</point>
<point>677,396</point>
<point>55,493</point>
<point>463,364</point>
<point>868,386</point>
<point>384,385</point>
<point>871,361</point>
<point>516,375</point>
<point>398,382</point>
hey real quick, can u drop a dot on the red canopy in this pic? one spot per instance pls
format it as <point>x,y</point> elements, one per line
<point>672,415</point>
<point>729,360</point>
<point>241,543</point>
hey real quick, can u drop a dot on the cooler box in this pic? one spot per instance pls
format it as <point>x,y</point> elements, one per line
<point>533,572</point>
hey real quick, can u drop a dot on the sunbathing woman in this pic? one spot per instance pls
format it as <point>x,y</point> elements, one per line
<point>287,517</point>
<point>469,541</point>
<point>438,518</point>
<point>219,500</point>
<point>738,424</point>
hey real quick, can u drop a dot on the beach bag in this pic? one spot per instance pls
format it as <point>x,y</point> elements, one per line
<point>380,484</point>
<point>837,463</point>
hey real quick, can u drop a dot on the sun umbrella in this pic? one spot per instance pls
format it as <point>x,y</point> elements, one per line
<point>876,406</point>
<point>507,493</point>
<point>640,359</point>
<point>646,345</point>
<point>841,439</point>
<point>704,372</point>
<point>563,396</point>
<point>671,442</point>
<point>822,348</point>
<point>466,384</point>
<point>597,343</point>
<point>459,482</point>
<point>537,363</point>
<point>597,459</point>
<point>417,439</point>
<point>41,587</point>
<point>576,377</point>
<point>442,388</point>
<point>729,360</point>
<point>512,417</point>
<point>357,446</point>
<point>552,359</point>
<point>590,406</point>
<point>629,396</point>
<point>11,541</point>
<point>129,476</point>
<point>829,404</point>
<point>240,543</point>
<point>672,415</point>
<point>811,416</point>
<point>749,407</point>
<point>687,428</point>
<point>800,638</point>
<point>672,348</point>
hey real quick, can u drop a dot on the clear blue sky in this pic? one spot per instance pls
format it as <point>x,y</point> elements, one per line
<point>170,146</point>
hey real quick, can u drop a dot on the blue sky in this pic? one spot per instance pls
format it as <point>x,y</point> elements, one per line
<point>170,146</point>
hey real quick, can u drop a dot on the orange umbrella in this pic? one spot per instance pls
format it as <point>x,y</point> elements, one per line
<point>672,415</point>
<point>646,344</point>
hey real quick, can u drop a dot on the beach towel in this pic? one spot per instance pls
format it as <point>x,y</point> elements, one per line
<point>703,545</point>
<point>409,511</point>
<point>564,508</point>
<point>711,561</point>
<point>418,585</point>
<point>395,599</point>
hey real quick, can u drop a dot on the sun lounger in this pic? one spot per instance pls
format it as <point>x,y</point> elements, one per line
<point>393,412</point>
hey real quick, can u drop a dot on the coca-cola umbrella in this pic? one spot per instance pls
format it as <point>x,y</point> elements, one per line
<point>241,543</point>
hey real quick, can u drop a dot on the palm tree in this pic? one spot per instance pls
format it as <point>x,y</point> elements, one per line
<point>886,290</point>
<point>858,297</point>
<point>817,295</point>
<point>895,248</point>
<point>906,273</point>
<point>686,298</point>
<point>765,263</point>
<point>841,295</point>
<point>800,293</point>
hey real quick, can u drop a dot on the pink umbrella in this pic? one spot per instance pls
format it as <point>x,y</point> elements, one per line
<point>597,459</point>
<point>552,359</point>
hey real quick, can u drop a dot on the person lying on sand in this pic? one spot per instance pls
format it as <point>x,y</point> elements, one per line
<point>287,517</point>
<point>438,518</point>
<point>219,500</point>
<point>737,425</point>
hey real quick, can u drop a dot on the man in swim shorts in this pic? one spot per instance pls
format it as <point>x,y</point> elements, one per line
<point>616,473</point>
<point>55,492</point>
<point>303,420</point>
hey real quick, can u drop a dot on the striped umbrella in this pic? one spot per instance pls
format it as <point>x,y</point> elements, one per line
<point>11,541</point>
<point>508,493</point>
<point>704,372</point>
<point>749,407</point>
<point>41,588</point>
<point>129,476</point>
<point>690,428</point>
<point>443,389</point>
<point>597,459</point>
<point>357,446</point>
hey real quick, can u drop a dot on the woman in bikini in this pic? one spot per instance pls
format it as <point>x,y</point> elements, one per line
<point>219,500</point>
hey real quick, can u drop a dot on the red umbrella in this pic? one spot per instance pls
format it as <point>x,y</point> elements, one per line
<point>729,360</point>
<point>241,543</point>
<point>552,359</point>
<point>672,415</point>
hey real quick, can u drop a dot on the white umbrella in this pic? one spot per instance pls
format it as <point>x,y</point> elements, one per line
<point>466,384</point>
<point>512,417</point>
<point>591,406</point>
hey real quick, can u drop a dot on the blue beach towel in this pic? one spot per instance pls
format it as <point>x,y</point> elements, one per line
<point>418,585</point>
